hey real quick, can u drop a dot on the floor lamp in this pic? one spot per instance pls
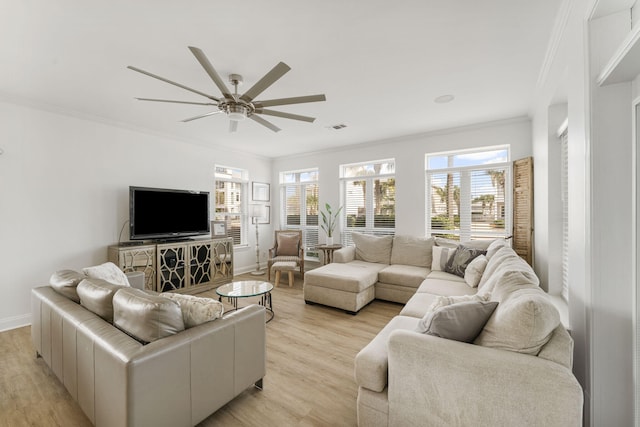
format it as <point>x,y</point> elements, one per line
<point>257,213</point>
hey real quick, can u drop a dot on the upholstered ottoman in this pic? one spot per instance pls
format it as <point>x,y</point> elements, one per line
<point>286,266</point>
<point>345,286</point>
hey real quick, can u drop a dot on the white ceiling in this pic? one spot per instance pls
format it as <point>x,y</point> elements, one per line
<point>380,63</point>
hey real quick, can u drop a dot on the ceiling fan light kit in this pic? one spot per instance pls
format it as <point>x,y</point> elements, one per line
<point>236,107</point>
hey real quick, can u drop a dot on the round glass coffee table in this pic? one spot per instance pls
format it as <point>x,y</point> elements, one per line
<point>248,288</point>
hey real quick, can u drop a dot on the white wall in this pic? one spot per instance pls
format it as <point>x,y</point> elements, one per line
<point>64,188</point>
<point>409,154</point>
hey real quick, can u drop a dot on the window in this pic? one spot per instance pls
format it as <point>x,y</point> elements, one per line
<point>369,198</point>
<point>231,190</point>
<point>299,209</point>
<point>468,194</point>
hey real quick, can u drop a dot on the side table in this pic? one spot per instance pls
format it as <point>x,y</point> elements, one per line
<point>327,251</point>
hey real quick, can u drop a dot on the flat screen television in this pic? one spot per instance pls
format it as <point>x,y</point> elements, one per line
<point>164,214</point>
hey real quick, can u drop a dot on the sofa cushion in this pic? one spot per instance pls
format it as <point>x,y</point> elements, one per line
<point>494,247</point>
<point>409,250</point>
<point>443,301</point>
<point>496,260</point>
<point>463,255</point>
<point>65,283</point>
<point>372,248</point>
<point>418,304</point>
<point>473,272</point>
<point>441,256</point>
<point>476,244</point>
<point>445,287</point>
<point>196,310</point>
<point>506,273</point>
<point>461,321</point>
<point>523,321</point>
<point>288,244</point>
<point>371,364</point>
<point>146,316</point>
<point>443,275</point>
<point>404,275</point>
<point>109,272</point>
<point>96,295</point>
<point>354,276</point>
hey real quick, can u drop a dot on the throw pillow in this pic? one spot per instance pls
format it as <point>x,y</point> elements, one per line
<point>146,316</point>
<point>474,270</point>
<point>109,272</point>
<point>442,301</point>
<point>96,295</point>
<point>441,256</point>
<point>462,321</point>
<point>288,244</point>
<point>372,248</point>
<point>461,258</point>
<point>65,283</point>
<point>196,310</point>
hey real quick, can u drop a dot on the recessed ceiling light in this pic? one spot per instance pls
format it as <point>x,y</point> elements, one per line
<point>444,99</point>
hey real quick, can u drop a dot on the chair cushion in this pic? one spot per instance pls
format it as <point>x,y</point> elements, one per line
<point>404,275</point>
<point>109,272</point>
<point>65,283</point>
<point>409,250</point>
<point>96,295</point>
<point>288,244</point>
<point>146,316</point>
<point>372,248</point>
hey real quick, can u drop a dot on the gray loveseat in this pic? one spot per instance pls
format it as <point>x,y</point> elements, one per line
<point>178,380</point>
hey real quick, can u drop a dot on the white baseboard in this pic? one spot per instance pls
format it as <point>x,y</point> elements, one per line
<point>15,322</point>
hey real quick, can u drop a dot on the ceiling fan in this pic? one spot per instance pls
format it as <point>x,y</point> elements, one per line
<point>239,107</point>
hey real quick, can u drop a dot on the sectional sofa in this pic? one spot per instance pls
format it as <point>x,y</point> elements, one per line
<point>432,364</point>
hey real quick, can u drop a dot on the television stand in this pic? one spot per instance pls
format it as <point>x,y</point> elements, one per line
<point>174,240</point>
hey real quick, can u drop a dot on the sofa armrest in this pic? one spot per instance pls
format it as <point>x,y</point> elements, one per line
<point>434,381</point>
<point>346,254</point>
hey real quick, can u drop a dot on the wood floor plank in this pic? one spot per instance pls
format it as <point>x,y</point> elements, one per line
<point>309,381</point>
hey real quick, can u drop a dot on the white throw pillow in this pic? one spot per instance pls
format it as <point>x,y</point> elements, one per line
<point>108,272</point>
<point>473,273</point>
<point>441,256</point>
<point>196,310</point>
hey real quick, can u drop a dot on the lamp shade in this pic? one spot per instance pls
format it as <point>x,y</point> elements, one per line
<point>256,211</point>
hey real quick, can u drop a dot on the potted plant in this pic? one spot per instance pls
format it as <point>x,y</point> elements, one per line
<point>329,221</point>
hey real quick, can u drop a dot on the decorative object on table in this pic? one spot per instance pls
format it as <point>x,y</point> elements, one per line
<point>260,191</point>
<point>329,221</point>
<point>218,229</point>
<point>256,213</point>
<point>287,247</point>
<point>238,107</point>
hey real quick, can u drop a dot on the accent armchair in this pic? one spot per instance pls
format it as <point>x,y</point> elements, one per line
<point>287,248</point>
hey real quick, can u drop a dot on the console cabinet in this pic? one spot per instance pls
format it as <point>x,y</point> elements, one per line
<point>191,266</point>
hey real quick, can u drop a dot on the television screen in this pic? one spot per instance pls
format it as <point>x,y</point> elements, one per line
<point>157,213</point>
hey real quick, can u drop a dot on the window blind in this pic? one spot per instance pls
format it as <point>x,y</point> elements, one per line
<point>231,187</point>
<point>299,190</point>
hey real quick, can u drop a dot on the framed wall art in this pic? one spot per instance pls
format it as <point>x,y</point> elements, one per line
<point>260,191</point>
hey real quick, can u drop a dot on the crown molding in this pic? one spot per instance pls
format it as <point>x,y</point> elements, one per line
<point>559,27</point>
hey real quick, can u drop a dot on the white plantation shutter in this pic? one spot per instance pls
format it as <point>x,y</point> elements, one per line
<point>299,190</point>
<point>368,194</point>
<point>523,208</point>
<point>564,179</point>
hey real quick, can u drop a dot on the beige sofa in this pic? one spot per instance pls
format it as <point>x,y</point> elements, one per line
<point>177,380</point>
<point>516,372</point>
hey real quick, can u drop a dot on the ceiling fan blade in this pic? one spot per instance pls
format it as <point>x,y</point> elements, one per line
<point>285,115</point>
<point>264,122</point>
<point>175,102</point>
<point>288,101</point>
<point>204,61</point>
<point>233,125</point>
<point>201,116</point>
<point>270,78</point>
<point>172,83</point>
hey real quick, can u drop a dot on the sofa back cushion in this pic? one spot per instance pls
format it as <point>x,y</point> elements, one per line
<point>65,282</point>
<point>505,259</point>
<point>145,316</point>
<point>373,248</point>
<point>96,295</point>
<point>409,250</point>
<point>109,272</point>
<point>196,310</point>
<point>524,320</point>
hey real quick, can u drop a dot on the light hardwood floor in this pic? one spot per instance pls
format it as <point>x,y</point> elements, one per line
<point>309,381</point>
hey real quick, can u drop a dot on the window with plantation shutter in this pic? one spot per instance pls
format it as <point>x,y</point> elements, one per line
<point>231,188</point>
<point>467,194</point>
<point>368,198</point>
<point>523,208</point>
<point>564,180</point>
<point>299,209</point>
